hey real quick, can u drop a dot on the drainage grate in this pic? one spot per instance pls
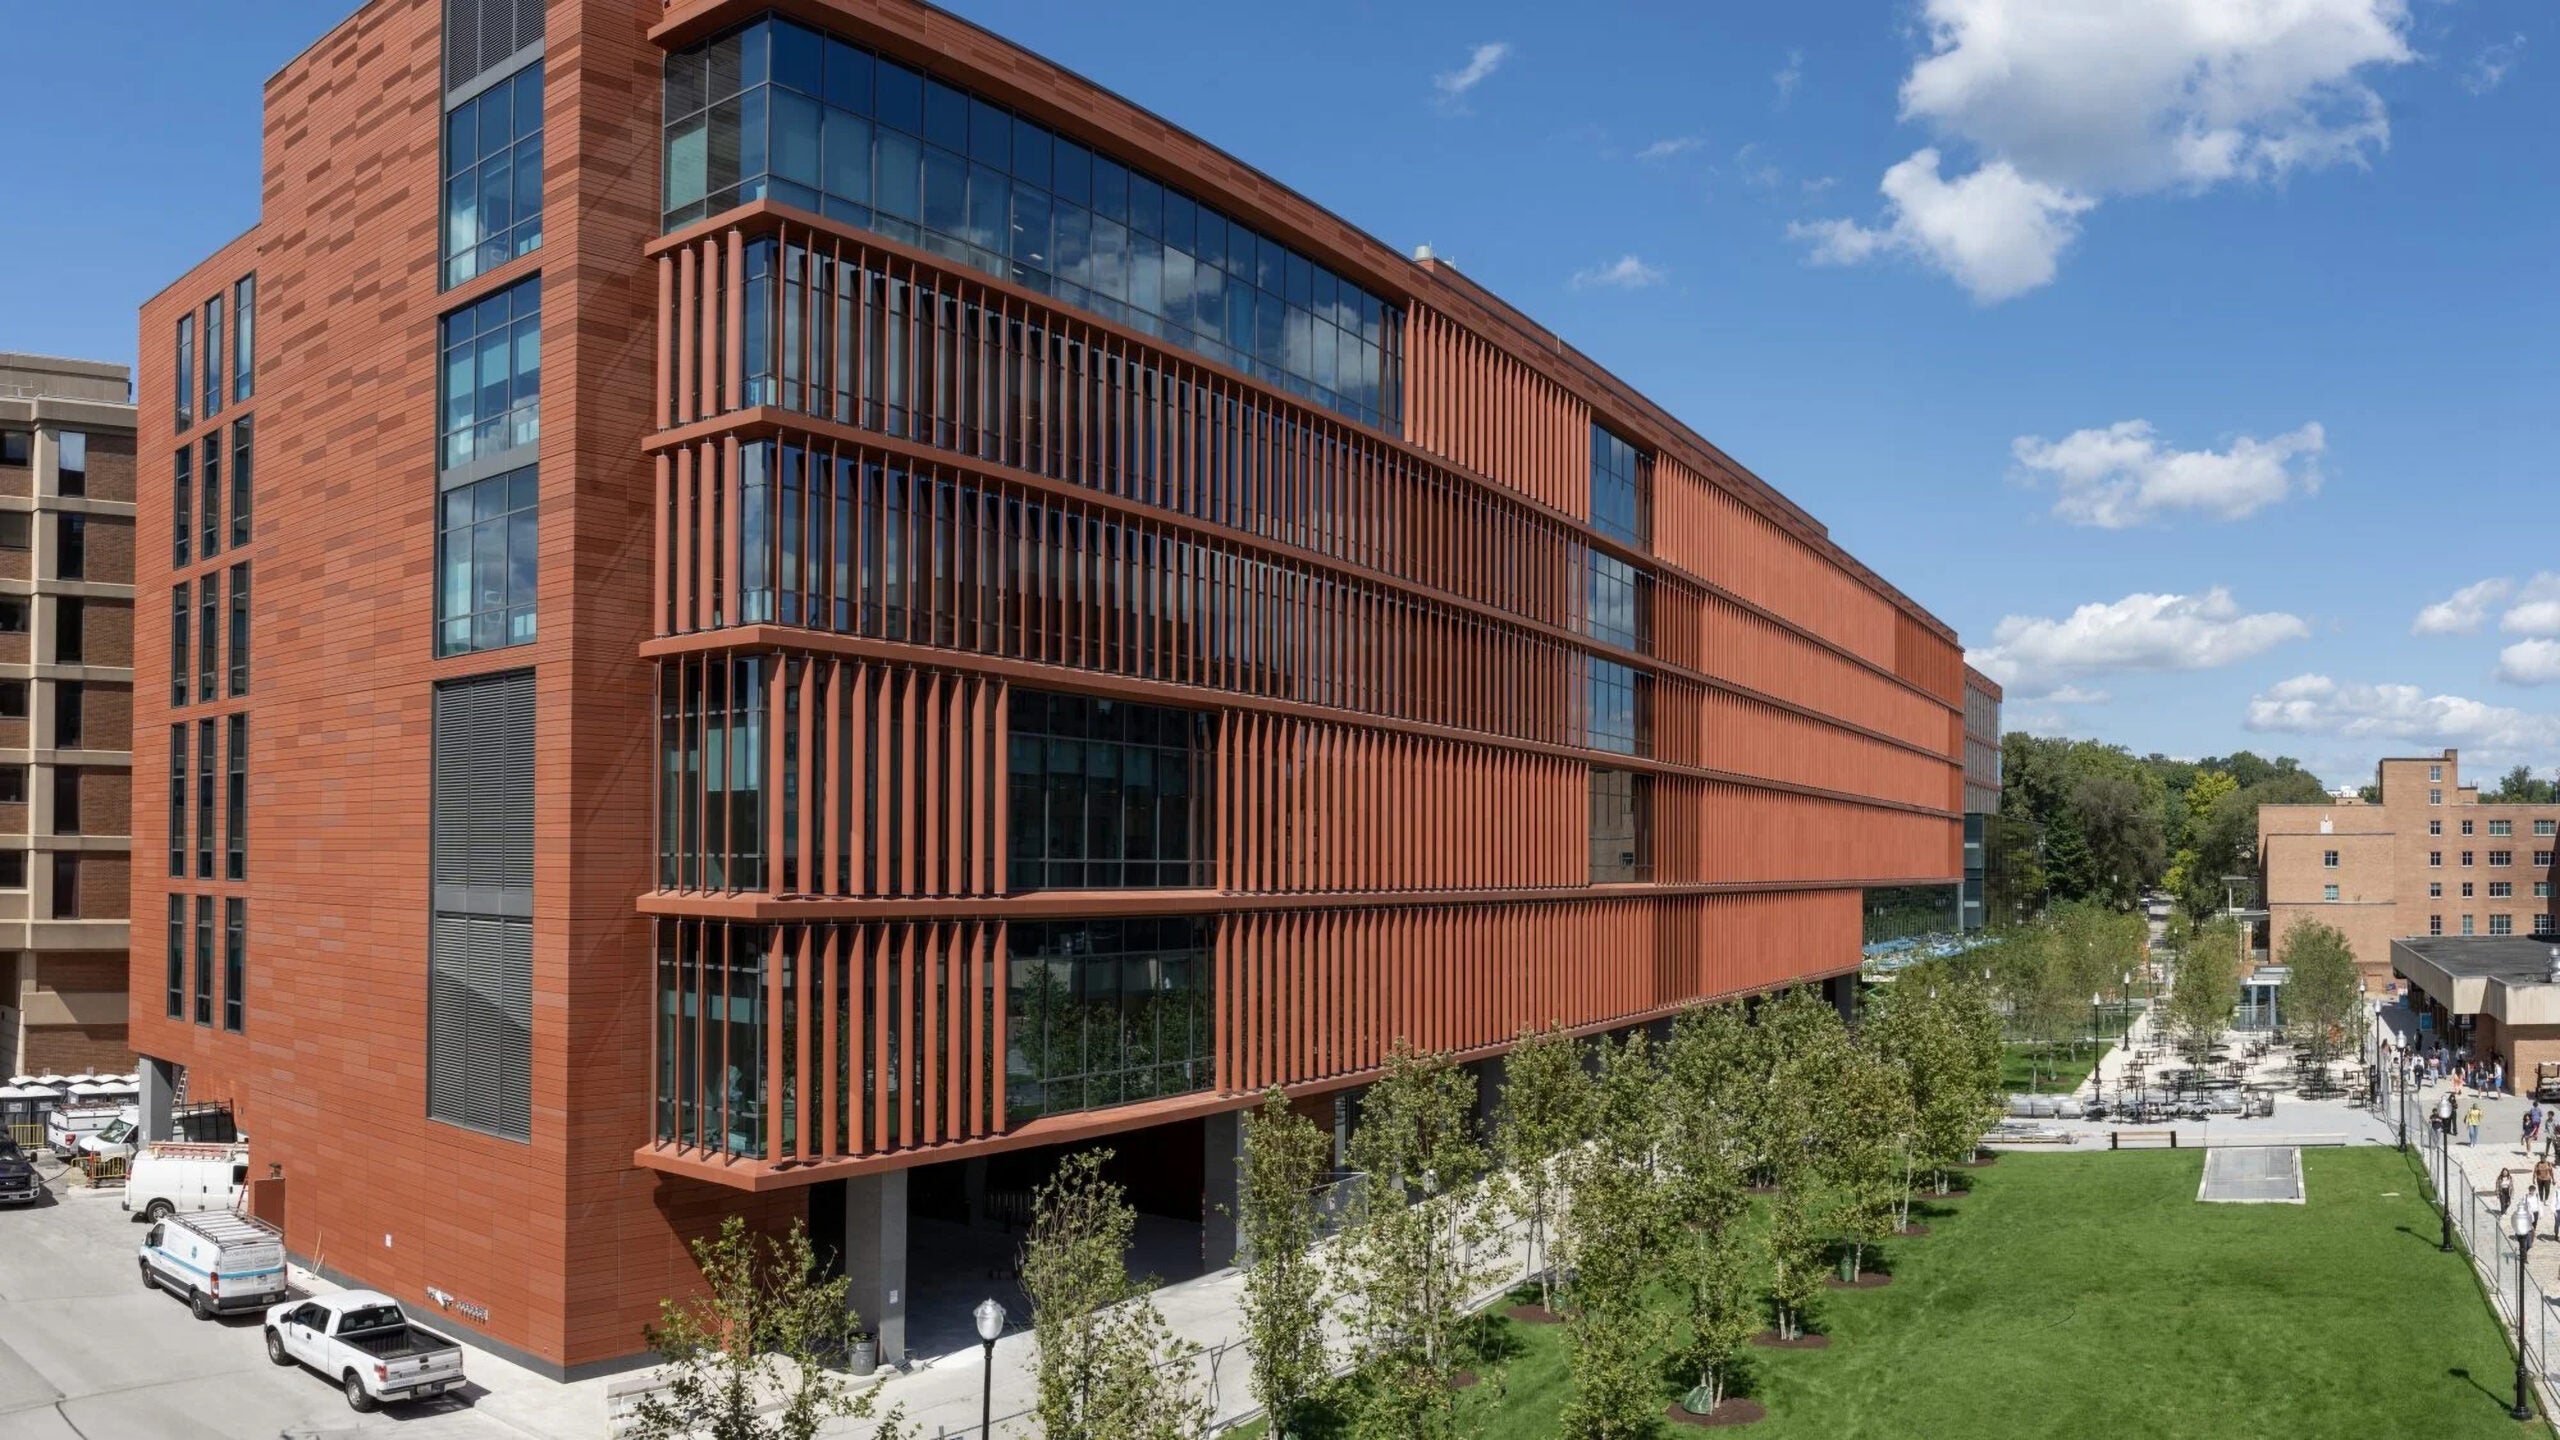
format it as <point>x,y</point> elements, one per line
<point>2252,1175</point>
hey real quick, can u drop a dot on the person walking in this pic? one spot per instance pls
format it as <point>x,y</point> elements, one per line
<point>2471,1125</point>
<point>2532,1127</point>
<point>2542,1177</point>
<point>2521,1222</point>
<point>2444,1116</point>
<point>2507,1190</point>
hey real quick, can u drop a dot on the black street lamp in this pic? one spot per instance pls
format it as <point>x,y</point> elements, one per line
<point>2444,1186</point>
<point>2523,1408</point>
<point>990,1318</point>
<point>2401,1073</point>
<point>2095,1000</point>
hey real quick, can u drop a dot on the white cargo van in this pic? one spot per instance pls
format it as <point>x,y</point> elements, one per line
<point>216,1260</point>
<point>176,1175</point>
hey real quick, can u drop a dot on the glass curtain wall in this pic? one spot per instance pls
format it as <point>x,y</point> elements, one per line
<point>777,110</point>
<point>1106,1012</point>
<point>1106,795</point>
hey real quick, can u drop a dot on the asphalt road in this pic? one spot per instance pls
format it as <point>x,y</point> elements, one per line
<point>86,1353</point>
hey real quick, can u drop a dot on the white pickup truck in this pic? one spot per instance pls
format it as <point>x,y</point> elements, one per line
<point>362,1340</point>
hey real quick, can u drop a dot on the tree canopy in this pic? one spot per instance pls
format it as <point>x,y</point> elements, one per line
<point>2082,820</point>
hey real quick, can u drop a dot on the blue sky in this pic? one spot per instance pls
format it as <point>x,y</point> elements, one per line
<point>2178,354</point>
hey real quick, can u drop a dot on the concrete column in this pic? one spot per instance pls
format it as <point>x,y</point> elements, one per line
<point>159,1086</point>
<point>1221,1190</point>
<point>1842,992</point>
<point>875,1258</point>
<point>1491,1075</point>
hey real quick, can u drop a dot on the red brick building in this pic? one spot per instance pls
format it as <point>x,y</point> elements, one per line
<point>836,608</point>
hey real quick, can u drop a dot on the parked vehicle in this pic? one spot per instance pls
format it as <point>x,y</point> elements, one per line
<point>363,1340</point>
<point>19,1183</point>
<point>116,1141</point>
<point>169,1176</point>
<point>2546,1081</point>
<point>216,1261</point>
<point>64,1129</point>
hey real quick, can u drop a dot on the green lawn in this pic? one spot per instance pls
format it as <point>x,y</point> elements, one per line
<point>2025,1069</point>
<point>2091,1295</point>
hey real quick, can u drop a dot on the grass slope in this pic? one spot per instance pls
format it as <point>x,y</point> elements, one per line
<point>2090,1295</point>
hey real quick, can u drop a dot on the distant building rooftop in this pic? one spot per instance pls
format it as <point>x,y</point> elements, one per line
<point>2508,976</point>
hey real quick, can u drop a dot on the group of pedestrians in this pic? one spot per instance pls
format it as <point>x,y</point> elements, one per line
<point>2422,1065</point>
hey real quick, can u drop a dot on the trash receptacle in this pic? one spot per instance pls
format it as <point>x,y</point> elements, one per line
<point>866,1352</point>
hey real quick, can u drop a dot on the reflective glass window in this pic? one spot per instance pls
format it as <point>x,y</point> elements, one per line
<point>1106,1012</point>
<point>1618,473</point>
<point>493,176</point>
<point>1106,795</point>
<point>486,571</point>
<point>776,110</point>
<point>492,374</point>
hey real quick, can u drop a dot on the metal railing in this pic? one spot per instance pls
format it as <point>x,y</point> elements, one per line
<point>2479,1228</point>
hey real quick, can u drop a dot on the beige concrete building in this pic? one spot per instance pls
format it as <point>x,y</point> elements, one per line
<point>66,712</point>
<point>2496,997</point>
<point>2429,860</point>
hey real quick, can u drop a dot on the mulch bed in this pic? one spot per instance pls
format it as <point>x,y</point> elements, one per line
<point>1534,1315</point>
<point>1731,1411</point>
<point>1768,1340</point>
<point>1463,1380</point>
<point>1982,1161</point>
<point>1912,1231</point>
<point>1867,1280</point>
<point>1760,1190</point>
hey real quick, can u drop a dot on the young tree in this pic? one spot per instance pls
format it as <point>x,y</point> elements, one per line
<point>1613,1232</point>
<point>1812,1051</point>
<point>1107,1368</point>
<point>1706,1159</point>
<point>762,1326</point>
<point>1284,1162</point>
<point>1546,1103</point>
<point>1796,1247</point>
<point>2206,988</point>
<point>1867,1128</point>
<point>2321,1000</point>
<point>1406,1261</point>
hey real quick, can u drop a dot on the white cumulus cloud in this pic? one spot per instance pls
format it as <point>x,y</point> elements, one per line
<point>1995,232</point>
<point>2066,102</point>
<point>1627,272</point>
<point>1665,149</point>
<point>2465,610</point>
<point>1789,76</point>
<point>2536,607</point>
<point>2402,715</point>
<point>2122,475</point>
<point>2530,662</point>
<point>2039,656</point>
<point>1482,61</point>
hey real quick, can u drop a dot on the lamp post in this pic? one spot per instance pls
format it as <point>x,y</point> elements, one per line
<point>990,1318</point>
<point>2444,1186</point>
<point>2401,1075</point>
<point>2523,1408</point>
<point>2095,1000</point>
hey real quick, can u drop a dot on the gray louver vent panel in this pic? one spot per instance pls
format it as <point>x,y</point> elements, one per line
<point>479,35</point>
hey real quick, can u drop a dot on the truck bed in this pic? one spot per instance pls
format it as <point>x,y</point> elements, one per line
<point>403,1342</point>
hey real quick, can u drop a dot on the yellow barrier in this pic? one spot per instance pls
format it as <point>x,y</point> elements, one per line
<point>30,1138</point>
<point>104,1170</point>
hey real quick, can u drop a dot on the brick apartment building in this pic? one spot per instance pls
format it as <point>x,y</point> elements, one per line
<point>837,609</point>
<point>2429,860</point>
<point>66,712</point>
